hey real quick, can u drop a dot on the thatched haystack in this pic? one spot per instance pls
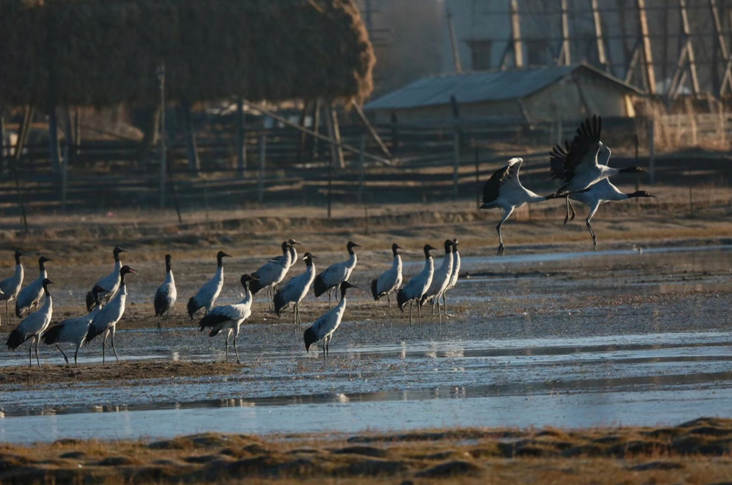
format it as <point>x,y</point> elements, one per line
<point>102,52</point>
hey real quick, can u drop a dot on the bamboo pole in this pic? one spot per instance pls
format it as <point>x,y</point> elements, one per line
<point>371,130</point>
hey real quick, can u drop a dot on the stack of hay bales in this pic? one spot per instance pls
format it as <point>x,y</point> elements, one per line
<point>104,52</point>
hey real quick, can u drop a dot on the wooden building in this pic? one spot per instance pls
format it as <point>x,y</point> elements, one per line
<point>549,94</point>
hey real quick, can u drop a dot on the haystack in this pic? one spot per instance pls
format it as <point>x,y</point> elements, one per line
<point>103,52</point>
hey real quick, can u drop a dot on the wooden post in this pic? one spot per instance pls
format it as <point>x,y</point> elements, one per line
<point>175,195</point>
<point>565,56</point>
<point>455,164</point>
<point>64,177</point>
<point>241,138</point>
<point>371,130</point>
<point>194,163</point>
<point>77,131</point>
<point>3,147</point>
<point>262,155</point>
<point>161,136</point>
<point>687,60</point>
<point>601,55</point>
<point>726,83</point>
<point>53,144</point>
<point>316,129</point>
<point>336,136</point>
<point>361,162</point>
<point>651,151</point>
<point>518,50</point>
<point>453,43</point>
<point>303,136</point>
<point>650,73</point>
<point>394,133</point>
<point>333,156</point>
<point>22,137</point>
<point>637,176</point>
<point>477,176</point>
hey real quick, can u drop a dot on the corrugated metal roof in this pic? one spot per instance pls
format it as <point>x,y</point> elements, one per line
<point>472,87</point>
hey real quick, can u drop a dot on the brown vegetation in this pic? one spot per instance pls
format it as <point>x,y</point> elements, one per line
<point>698,451</point>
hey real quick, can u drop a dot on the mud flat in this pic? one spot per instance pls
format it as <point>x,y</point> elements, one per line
<point>693,452</point>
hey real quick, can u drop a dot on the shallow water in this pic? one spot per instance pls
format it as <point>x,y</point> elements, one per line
<point>626,338</point>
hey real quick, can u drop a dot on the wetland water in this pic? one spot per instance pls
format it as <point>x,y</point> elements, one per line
<point>582,340</point>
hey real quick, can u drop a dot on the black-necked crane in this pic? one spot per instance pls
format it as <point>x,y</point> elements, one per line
<point>111,281</point>
<point>597,194</point>
<point>293,254</point>
<point>440,280</point>
<point>230,317</point>
<point>207,294</point>
<point>455,273</point>
<point>335,274</point>
<point>166,294</point>
<point>10,287</point>
<point>33,326</point>
<point>579,168</point>
<point>325,326</point>
<point>295,290</point>
<point>272,273</point>
<point>105,321</point>
<point>74,330</point>
<point>504,191</point>
<point>390,280</point>
<point>31,294</point>
<point>418,285</point>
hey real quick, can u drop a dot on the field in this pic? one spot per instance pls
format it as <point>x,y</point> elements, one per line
<point>554,362</point>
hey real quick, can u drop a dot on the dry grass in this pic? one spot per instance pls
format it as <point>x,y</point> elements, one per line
<point>694,452</point>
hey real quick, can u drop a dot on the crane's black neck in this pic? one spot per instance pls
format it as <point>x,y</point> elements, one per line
<point>309,262</point>
<point>395,250</point>
<point>167,265</point>
<point>350,250</point>
<point>17,259</point>
<point>45,289</point>
<point>219,261</point>
<point>116,256</point>
<point>41,265</point>
<point>448,246</point>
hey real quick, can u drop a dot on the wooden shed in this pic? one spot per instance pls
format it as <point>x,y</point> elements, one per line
<point>549,94</point>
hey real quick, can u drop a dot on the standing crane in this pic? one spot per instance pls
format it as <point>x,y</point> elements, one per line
<point>10,287</point>
<point>272,273</point>
<point>207,294</point>
<point>455,273</point>
<point>295,290</point>
<point>31,294</point>
<point>74,330</point>
<point>166,294</point>
<point>325,326</point>
<point>417,286</point>
<point>230,317</point>
<point>33,326</point>
<point>596,194</point>
<point>440,280</point>
<point>105,321</point>
<point>390,280</point>
<point>336,274</point>
<point>504,191</point>
<point>111,281</point>
<point>293,254</point>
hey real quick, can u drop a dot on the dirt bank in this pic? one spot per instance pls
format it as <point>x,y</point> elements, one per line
<point>697,452</point>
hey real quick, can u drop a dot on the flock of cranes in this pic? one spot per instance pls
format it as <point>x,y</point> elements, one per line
<point>584,179</point>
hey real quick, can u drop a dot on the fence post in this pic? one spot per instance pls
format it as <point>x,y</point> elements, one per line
<point>161,135</point>
<point>477,176</point>
<point>651,151</point>
<point>637,176</point>
<point>361,168</point>
<point>456,164</point>
<point>262,155</point>
<point>64,177</point>
<point>241,138</point>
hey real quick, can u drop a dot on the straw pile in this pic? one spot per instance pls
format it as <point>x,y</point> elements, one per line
<point>102,52</point>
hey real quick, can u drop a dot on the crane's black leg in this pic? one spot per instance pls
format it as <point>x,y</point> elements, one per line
<point>569,207</point>
<point>236,335</point>
<point>410,311</point>
<point>38,341</point>
<point>226,354</point>
<point>76,355</point>
<point>500,240</point>
<point>114,349</point>
<point>30,354</point>
<point>592,233</point>
<point>62,353</point>
<point>329,290</point>
<point>104,346</point>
